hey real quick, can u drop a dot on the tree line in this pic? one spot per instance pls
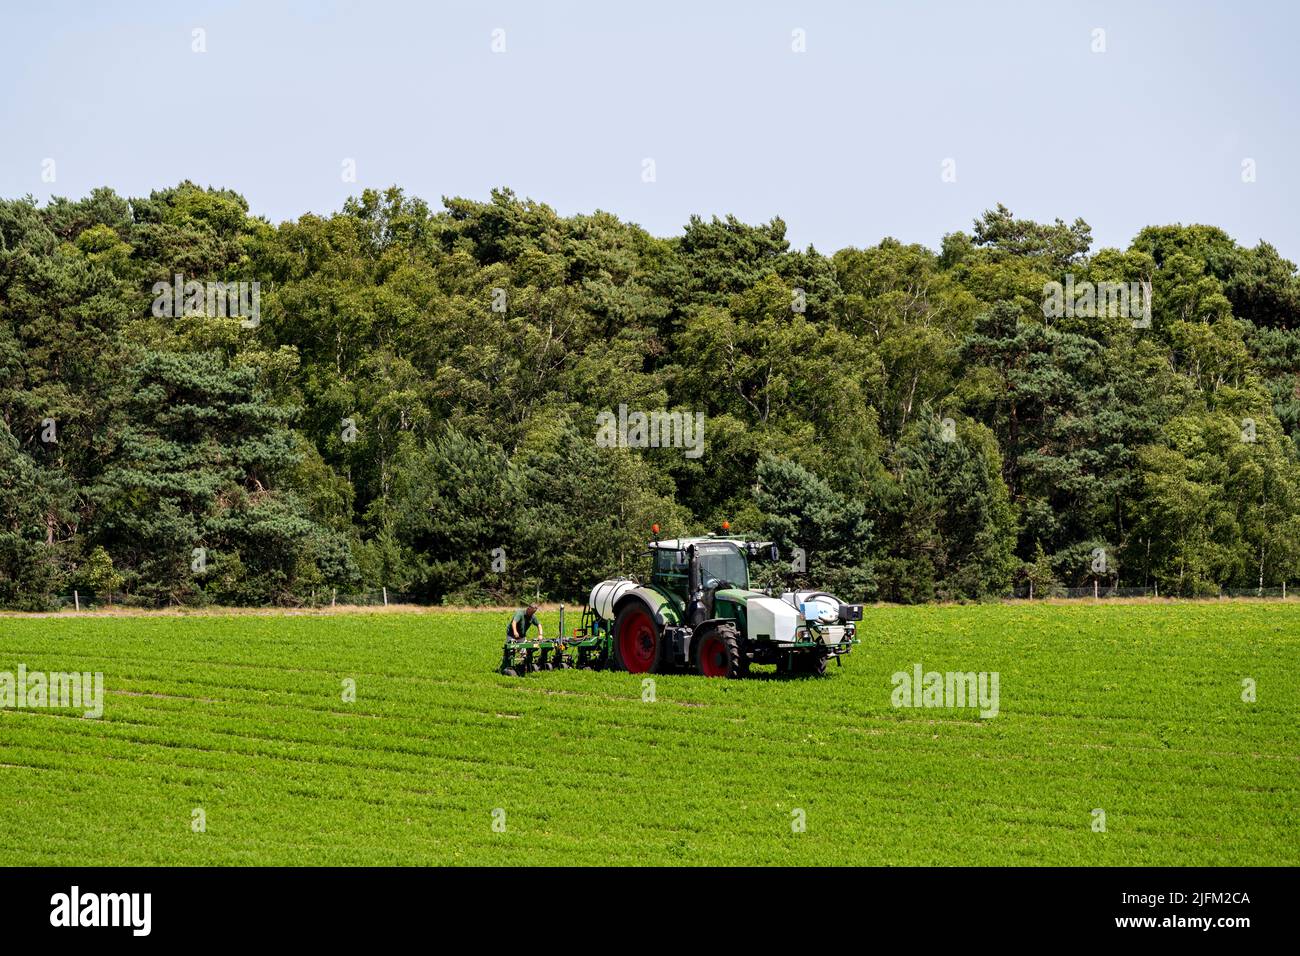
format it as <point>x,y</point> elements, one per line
<point>198,406</point>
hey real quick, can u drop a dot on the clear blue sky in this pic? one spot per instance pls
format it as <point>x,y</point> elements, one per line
<point>844,141</point>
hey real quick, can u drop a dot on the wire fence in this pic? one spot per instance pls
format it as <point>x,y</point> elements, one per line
<point>79,600</point>
<point>1100,591</point>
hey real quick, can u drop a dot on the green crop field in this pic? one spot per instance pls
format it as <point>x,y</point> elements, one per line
<point>1135,710</point>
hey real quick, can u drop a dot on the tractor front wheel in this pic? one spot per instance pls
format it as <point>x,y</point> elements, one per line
<point>813,665</point>
<point>718,653</point>
<point>636,640</point>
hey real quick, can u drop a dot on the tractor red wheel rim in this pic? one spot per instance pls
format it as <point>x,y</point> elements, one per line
<point>638,641</point>
<point>713,657</point>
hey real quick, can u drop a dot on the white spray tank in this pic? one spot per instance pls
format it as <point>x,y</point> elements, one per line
<point>606,594</point>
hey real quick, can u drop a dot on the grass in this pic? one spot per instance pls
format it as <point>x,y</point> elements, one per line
<point>1136,710</point>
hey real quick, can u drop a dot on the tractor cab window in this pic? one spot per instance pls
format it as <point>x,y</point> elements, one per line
<point>722,563</point>
<point>669,562</point>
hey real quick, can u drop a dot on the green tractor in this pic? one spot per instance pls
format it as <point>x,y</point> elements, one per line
<point>698,612</point>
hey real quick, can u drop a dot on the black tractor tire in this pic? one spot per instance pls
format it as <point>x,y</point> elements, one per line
<point>811,665</point>
<point>509,672</point>
<point>718,653</point>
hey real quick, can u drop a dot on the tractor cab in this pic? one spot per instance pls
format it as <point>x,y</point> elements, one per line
<point>718,562</point>
<point>694,570</point>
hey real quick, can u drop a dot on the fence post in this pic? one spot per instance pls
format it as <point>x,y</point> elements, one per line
<point>76,598</point>
<point>385,596</point>
<point>1031,589</point>
<point>1157,588</point>
<point>1094,589</point>
<point>334,595</point>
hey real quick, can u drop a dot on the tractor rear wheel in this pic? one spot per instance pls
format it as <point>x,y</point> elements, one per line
<point>718,653</point>
<point>636,640</point>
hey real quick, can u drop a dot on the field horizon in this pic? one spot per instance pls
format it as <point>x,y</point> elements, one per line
<point>547,607</point>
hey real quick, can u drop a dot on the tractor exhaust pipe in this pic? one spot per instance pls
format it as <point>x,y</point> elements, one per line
<point>695,613</point>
